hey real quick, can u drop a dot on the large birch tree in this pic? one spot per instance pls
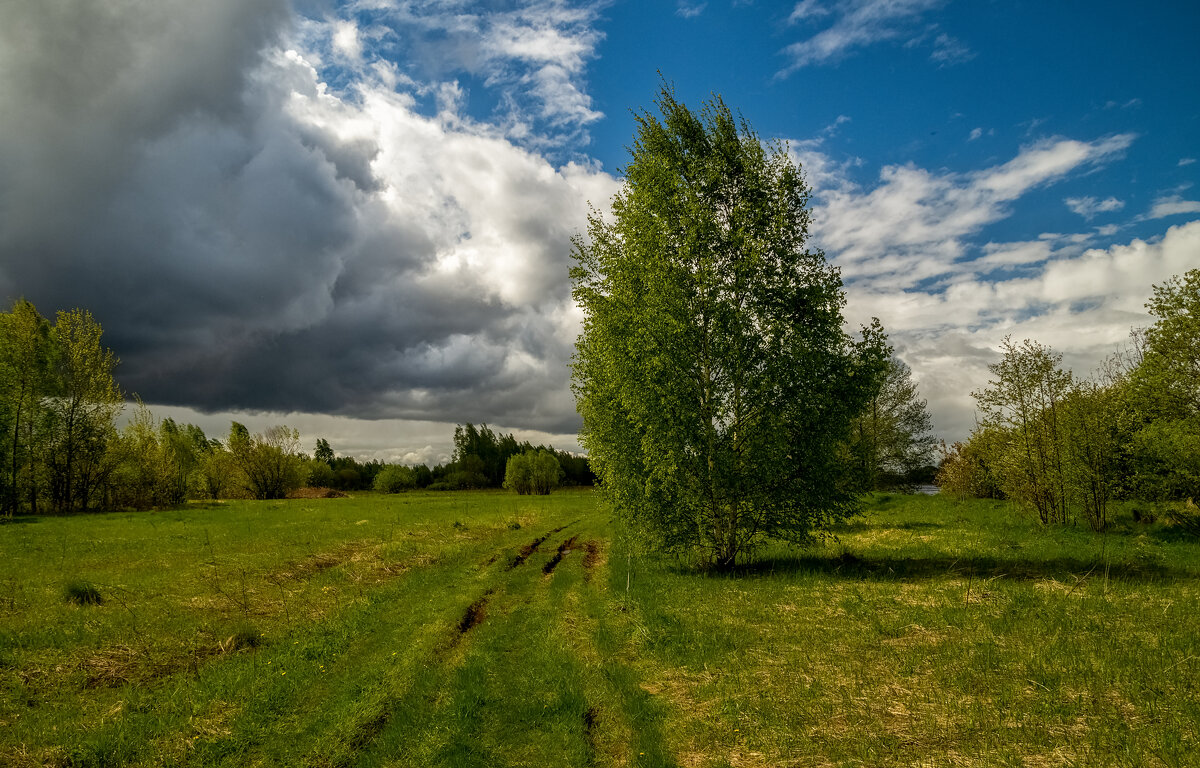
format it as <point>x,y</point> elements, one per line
<point>716,384</point>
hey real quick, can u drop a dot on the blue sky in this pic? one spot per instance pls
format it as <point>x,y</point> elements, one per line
<point>356,217</point>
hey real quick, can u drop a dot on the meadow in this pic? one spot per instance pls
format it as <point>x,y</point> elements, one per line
<point>487,629</point>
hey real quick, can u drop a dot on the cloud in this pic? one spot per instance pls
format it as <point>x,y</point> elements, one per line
<point>858,23</point>
<point>1186,161</point>
<point>1172,205</point>
<point>808,9</point>
<point>346,42</point>
<point>1082,305</point>
<point>906,247</point>
<point>1130,104</point>
<point>1088,207</point>
<point>689,10</point>
<point>975,134</point>
<point>251,237</point>
<point>948,50</point>
<point>1013,254</point>
<point>913,225</point>
<point>531,55</point>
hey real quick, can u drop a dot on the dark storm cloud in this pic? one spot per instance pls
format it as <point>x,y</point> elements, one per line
<point>249,240</point>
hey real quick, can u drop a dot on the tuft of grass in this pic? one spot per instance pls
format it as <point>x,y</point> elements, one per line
<point>82,592</point>
<point>244,637</point>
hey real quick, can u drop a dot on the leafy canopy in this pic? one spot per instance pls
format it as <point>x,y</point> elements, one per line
<point>714,379</point>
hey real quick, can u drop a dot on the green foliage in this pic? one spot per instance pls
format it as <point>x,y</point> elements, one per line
<point>1062,445</point>
<point>1095,427</point>
<point>154,464</point>
<point>1186,516</point>
<point>26,352</point>
<point>81,413</point>
<point>57,411</point>
<point>533,472</point>
<point>892,438</point>
<point>215,473</point>
<point>323,452</point>
<point>518,474</point>
<point>318,474</point>
<point>395,478</point>
<point>965,470</point>
<point>269,464</point>
<point>1168,377</point>
<point>1164,390</point>
<point>1024,407</point>
<point>712,373</point>
<point>481,459</point>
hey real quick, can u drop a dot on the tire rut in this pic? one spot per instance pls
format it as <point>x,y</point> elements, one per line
<point>563,549</point>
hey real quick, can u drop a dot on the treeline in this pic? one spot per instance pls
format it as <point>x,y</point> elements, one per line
<point>482,459</point>
<point>57,411</point>
<point>1067,447</point>
<point>62,449</point>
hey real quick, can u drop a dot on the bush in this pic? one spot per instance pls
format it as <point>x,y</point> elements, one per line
<point>318,474</point>
<point>394,479</point>
<point>537,472</point>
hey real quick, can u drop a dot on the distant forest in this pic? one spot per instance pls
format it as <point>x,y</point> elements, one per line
<point>62,448</point>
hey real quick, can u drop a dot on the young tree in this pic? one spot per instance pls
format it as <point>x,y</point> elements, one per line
<point>82,410</point>
<point>395,478</point>
<point>545,472</point>
<point>1170,366</point>
<point>965,470</point>
<point>216,471</point>
<point>518,474</point>
<point>155,462</point>
<point>1094,431</point>
<point>25,359</point>
<point>1164,388</point>
<point>893,435</point>
<point>269,462</point>
<point>1024,404</point>
<point>535,471</point>
<point>323,452</point>
<point>712,373</point>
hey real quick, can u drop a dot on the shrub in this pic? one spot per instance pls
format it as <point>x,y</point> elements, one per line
<point>319,474</point>
<point>537,472</point>
<point>394,479</point>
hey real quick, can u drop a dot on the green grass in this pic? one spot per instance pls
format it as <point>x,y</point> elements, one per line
<point>424,630</point>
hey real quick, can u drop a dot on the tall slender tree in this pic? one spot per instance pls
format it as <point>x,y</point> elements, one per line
<point>25,358</point>
<point>713,376</point>
<point>1025,403</point>
<point>893,435</point>
<point>85,402</point>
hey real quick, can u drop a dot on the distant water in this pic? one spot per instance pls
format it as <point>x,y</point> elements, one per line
<point>928,490</point>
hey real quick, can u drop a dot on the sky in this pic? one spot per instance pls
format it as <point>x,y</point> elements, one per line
<point>355,218</point>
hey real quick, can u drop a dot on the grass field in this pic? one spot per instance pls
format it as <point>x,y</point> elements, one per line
<point>483,629</point>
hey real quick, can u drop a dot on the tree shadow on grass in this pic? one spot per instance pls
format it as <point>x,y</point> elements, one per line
<point>1174,534</point>
<point>900,568</point>
<point>859,526</point>
<point>20,519</point>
